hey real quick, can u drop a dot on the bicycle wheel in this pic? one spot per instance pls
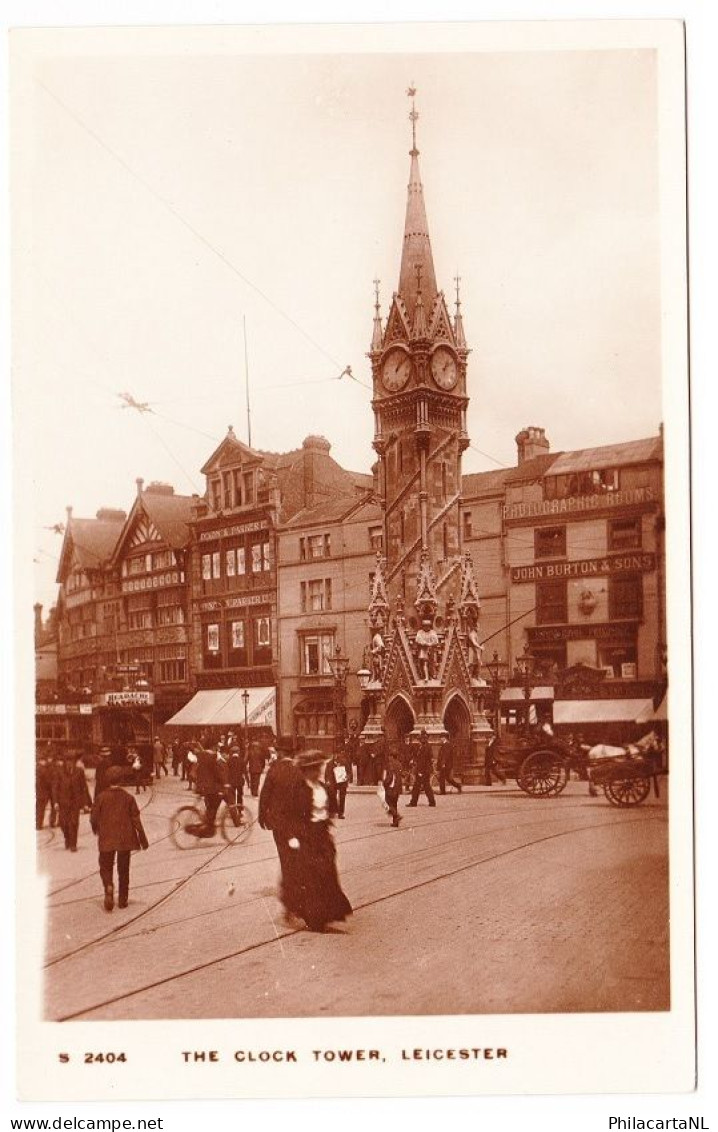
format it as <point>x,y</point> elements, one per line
<point>235,824</point>
<point>185,824</point>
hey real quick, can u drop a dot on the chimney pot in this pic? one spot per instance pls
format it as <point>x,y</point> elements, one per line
<point>530,442</point>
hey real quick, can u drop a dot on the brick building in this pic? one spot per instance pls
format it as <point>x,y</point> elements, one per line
<point>236,647</point>
<point>327,557</point>
<point>568,549</point>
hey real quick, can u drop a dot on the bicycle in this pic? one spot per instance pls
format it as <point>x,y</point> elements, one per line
<point>188,825</point>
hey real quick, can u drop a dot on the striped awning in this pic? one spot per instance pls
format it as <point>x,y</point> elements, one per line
<point>221,707</point>
<point>598,711</point>
<point>649,715</point>
<point>516,695</point>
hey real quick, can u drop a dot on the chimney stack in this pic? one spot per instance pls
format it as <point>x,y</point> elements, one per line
<point>530,442</point>
<point>315,450</point>
<point>140,484</point>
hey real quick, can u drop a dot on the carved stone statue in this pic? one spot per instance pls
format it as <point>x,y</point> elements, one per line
<point>427,643</point>
<point>378,652</point>
<point>476,652</point>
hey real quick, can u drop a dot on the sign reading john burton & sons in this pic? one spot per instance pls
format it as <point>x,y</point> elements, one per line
<point>584,568</point>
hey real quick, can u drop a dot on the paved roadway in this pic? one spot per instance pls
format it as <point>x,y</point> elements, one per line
<point>491,903</point>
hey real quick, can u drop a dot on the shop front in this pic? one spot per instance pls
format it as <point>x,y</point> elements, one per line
<point>66,726</point>
<point>215,711</point>
<point>612,721</point>
<point>124,718</point>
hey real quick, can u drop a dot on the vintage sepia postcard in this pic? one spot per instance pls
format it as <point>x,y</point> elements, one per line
<point>350,396</point>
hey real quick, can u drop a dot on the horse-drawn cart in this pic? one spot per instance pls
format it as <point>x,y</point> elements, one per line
<point>626,773</point>
<point>541,763</point>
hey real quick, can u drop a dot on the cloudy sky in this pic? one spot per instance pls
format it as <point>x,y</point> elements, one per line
<point>167,197</point>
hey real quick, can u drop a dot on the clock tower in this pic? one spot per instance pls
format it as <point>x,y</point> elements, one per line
<point>419,382</point>
<point>424,681</point>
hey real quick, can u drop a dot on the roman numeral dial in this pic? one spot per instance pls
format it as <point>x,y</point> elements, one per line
<point>395,370</point>
<point>443,368</point>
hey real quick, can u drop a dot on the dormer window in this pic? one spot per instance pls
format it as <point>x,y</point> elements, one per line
<point>227,491</point>
<point>215,494</point>
<point>237,478</point>
<point>248,487</point>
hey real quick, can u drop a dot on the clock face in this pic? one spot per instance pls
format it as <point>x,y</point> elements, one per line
<point>443,368</point>
<point>396,370</point>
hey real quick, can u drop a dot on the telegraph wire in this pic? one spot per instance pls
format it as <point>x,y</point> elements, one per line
<point>185,223</point>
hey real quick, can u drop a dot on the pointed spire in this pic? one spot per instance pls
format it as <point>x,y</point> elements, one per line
<point>377,335</point>
<point>416,250</point>
<point>427,600</point>
<point>379,603</point>
<point>458,320</point>
<point>469,603</point>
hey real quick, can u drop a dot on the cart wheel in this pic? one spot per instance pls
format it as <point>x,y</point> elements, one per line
<point>185,826</point>
<point>236,823</point>
<point>627,791</point>
<point>543,774</point>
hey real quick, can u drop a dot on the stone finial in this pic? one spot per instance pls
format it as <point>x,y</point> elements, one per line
<point>426,601</point>
<point>379,602</point>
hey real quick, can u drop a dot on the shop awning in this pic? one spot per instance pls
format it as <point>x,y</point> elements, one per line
<point>223,707</point>
<point>649,715</point>
<point>516,695</point>
<point>599,711</point>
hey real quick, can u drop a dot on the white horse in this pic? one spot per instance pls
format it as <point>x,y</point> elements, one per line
<point>602,752</point>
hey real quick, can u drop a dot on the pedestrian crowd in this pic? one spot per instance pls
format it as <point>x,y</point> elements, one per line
<point>303,794</point>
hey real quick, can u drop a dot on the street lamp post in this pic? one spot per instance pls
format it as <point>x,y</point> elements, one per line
<point>339,666</point>
<point>494,668</point>
<point>245,701</point>
<point>525,664</point>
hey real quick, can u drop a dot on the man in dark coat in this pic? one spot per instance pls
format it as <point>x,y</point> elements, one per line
<point>211,782</point>
<point>45,778</point>
<point>103,764</point>
<point>337,776</point>
<point>256,766</point>
<point>115,818</point>
<point>159,756</point>
<point>422,772</point>
<point>72,796</point>
<point>446,766</point>
<point>235,774</point>
<point>391,781</point>
<point>277,807</point>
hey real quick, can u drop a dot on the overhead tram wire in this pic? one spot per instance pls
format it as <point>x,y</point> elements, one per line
<point>347,371</point>
<point>170,453</point>
<point>224,259</point>
<point>186,223</point>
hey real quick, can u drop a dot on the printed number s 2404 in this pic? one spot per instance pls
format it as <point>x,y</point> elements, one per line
<point>107,1058</point>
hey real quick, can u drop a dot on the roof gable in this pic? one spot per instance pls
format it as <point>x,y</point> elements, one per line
<point>230,452</point>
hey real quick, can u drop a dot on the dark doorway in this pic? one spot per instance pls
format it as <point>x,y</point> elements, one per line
<point>398,721</point>
<point>457,723</point>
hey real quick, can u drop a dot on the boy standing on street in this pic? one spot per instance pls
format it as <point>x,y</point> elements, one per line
<point>115,818</point>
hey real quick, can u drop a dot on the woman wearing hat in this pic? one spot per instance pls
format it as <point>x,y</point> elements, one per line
<point>320,900</point>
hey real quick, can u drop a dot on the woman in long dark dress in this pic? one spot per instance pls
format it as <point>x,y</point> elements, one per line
<point>318,897</point>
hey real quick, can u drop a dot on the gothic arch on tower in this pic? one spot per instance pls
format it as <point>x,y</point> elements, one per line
<point>399,718</point>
